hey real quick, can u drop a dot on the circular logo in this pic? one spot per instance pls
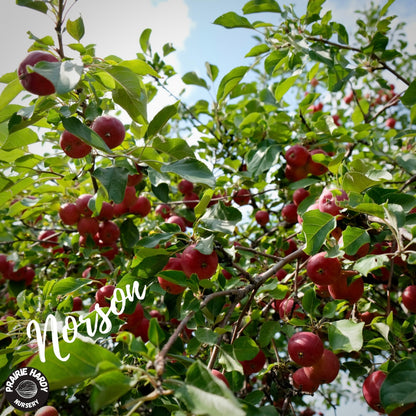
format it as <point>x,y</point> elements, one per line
<point>27,389</point>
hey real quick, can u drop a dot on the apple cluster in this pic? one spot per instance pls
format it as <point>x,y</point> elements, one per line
<point>24,274</point>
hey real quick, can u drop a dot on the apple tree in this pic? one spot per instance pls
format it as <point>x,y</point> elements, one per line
<point>243,254</point>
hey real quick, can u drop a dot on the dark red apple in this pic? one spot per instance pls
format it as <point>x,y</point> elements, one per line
<point>409,298</point>
<point>242,197</point>
<point>174,263</point>
<point>69,214</point>
<point>185,187</point>
<point>305,348</point>
<point>325,370</point>
<point>371,390</point>
<point>323,270</point>
<point>47,411</point>
<point>262,217</point>
<point>103,295</point>
<point>176,219</point>
<point>297,155</point>
<point>221,376</point>
<point>32,81</point>
<point>299,195</point>
<point>108,232</point>
<point>303,382</point>
<point>141,207</point>
<point>255,364</point>
<point>203,265</point>
<point>290,213</point>
<point>48,238</point>
<point>73,146</point>
<point>110,129</point>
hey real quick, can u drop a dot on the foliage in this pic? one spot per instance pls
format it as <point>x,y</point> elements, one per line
<point>308,82</point>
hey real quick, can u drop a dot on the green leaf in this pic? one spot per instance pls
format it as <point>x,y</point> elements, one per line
<point>409,97</point>
<point>191,78</point>
<point>316,226</point>
<point>10,91</point>
<point>85,361</point>
<point>108,387</point>
<point>399,387</point>
<point>267,332</point>
<point>346,335</point>
<point>245,348</point>
<point>139,67</point>
<point>262,159</point>
<point>160,119</point>
<point>191,169</point>
<point>129,234</point>
<point>353,238</point>
<point>114,180</point>
<point>206,336</point>
<point>255,6</point>
<point>370,209</point>
<point>176,148</point>
<point>38,5</point>
<point>79,129</point>
<point>284,86</point>
<point>203,203</point>
<point>369,263</point>
<point>212,71</point>
<point>144,40</point>
<point>63,75</point>
<point>206,245</point>
<point>230,81</point>
<point>357,182</point>
<point>228,359</point>
<point>231,20</point>
<point>221,218</point>
<point>129,93</point>
<point>76,28</point>
<point>257,50</point>
<point>313,10</point>
<point>68,285</point>
<point>20,139</point>
<point>156,334</point>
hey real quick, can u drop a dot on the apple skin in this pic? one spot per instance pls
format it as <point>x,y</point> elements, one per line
<point>325,370</point>
<point>73,146</point>
<point>371,390</point>
<point>221,376</point>
<point>191,200</point>
<point>242,197</point>
<point>328,201</point>
<point>290,213</point>
<point>176,219</point>
<point>69,214</point>
<point>185,187</point>
<point>108,232</point>
<point>339,289</point>
<point>391,122</point>
<point>163,210</point>
<point>302,382</point>
<point>348,98</point>
<point>297,155</point>
<point>34,82</point>
<point>110,129</point>
<point>296,173</point>
<point>262,217</point>
<point>47,411</point>
<point>141,207</point>
<point>255,364</point>
<point>299,195</point>
<point>174,263</point>
<point>409,298</point>
<point>88,225</point>
<point>82,205</point>
<point>323,270</point>
<point>305,348</point>
<point>48,239</point>
<point>203,265</point>
<point>103,293</point>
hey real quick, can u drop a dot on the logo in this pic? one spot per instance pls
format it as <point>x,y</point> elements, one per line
<point>27,389</point>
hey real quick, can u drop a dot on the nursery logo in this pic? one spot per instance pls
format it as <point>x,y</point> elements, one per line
<point>27,389</point>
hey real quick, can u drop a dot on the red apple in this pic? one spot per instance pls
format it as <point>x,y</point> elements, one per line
<point>103,295</point>
<point>88,225</point>
<point>305,348</point>
<point>221,376</point>
<point>242,197</point>
<point>47,411</point>
<point>191,200</point>
<point>391,122</point>
<point>262,217</point>
<point>325,370</point>
<point>73,146</point>
<point>348,98</point>
<point>163,210</point>
<point>296,173</point>
<point>108,232</point>
<point>174,263</point>
<point>82,205</point>
<point>329,201</point>
<point>290,213</point>
<point>409,298</point>
<point>203,265</point>
<point>69,214</point>
<point>48,238</point>
<point>141,207</point>
<point>323,270</point>
<point>314,82</point>
<point>176,219</point>
<point>185,187</point>
<point>255,364</point>
<point>130,197</point>
<point>76,304</point>
<point>34,82</point>
<point>299,195</point>
<point>371,390</point>
<point>106,212</point>
<point>110,129</point>
<point>297,155</point>
<point>288,309</point>
<point>304,383</point>
<point>316,168</point>
<point>340,289</point>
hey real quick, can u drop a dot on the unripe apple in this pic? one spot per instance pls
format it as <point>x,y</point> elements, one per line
<point>371,390</point>
<point>185,187</point>
<point>47,411</point>
<point>323,270</point>
<point>221,376</point>
<point>305,348</point>
<point>110,129</point>
<point>141,207</point>
<point>69,214</point>
<point>255,364</point>
<point>297,155</point>
<point>203,265</point>
<point>73,146</point>
<point>34,82</point>
<point>262,217</point>
<point>409,298</point>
